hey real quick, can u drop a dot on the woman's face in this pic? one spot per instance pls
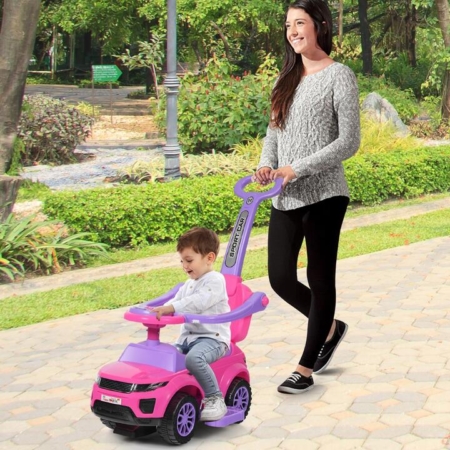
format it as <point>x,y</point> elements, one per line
<point>300,31</point>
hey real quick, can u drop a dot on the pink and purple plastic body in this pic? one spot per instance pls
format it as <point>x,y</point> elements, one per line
<point>152,361</point>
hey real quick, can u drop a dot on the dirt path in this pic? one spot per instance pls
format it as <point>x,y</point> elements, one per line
<point>122,128</point>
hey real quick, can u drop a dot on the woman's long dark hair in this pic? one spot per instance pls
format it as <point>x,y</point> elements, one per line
<point>291,73</point>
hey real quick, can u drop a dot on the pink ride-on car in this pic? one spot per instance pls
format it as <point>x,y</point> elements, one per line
<point>149,388</point>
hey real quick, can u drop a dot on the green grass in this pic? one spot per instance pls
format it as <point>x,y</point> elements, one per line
<point>358,210</point>
<point>30,190</point>
<point>132,289</point>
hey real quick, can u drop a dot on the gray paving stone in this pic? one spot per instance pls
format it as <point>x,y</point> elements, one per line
<point>310,433</point>
<point>30,438</point>
<point>373,398</point>
<point>344,432</point>
<point>422,377</point>
<point>48,385</point>
<point>18,387</point>
<point>366,408</point>
<point>390,432</point>
<point>404,407</point>
<point>430,432</point>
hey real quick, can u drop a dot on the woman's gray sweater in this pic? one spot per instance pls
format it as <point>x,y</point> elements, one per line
<point>322,130</point>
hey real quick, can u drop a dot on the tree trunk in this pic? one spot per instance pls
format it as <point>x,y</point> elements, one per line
<point>444,22</point>
<point>8,193</point>
<point>410,24</point>
<point>17,36</point>
<point>366,43</point>
<point>224,40</point>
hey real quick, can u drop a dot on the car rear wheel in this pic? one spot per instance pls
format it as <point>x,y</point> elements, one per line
<point>239,395</point>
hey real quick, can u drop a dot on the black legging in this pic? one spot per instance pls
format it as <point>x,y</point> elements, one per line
<point>320,225</point>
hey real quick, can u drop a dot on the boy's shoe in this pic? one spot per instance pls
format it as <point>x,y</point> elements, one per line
<point>296,384</point>
<point>214,408</point>
<point>328,349</point>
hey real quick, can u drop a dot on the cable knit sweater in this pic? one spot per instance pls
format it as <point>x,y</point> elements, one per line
<point>322,130</point>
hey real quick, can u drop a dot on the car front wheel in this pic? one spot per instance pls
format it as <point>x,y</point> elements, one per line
<point>177,426</point>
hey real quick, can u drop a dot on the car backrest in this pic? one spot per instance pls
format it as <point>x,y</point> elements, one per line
<point>238,293</point>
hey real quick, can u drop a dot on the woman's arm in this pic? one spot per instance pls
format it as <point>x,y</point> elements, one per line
<point>269,153</point>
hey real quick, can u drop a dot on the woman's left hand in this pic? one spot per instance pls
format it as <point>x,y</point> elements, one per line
<point>286,172</point>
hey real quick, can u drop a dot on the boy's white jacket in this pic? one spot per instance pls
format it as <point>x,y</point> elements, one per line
<point>207,295</point>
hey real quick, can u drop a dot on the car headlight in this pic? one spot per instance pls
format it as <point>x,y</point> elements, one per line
<point>148,387</point>
<point>98,378</point>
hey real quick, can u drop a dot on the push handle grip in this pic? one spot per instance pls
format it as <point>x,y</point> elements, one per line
<point>259,196</point>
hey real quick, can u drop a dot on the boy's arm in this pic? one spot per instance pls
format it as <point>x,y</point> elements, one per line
<point>167,308</point>
<point>163,310</point>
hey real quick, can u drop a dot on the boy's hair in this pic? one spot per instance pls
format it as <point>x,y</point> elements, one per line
<point>201,240</point>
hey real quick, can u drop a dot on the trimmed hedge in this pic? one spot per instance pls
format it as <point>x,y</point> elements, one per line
<point>132,215</point>
<point>373,178</point>
<point>153,212</point>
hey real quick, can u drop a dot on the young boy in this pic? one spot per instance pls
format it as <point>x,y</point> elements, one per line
<point>204,293</point>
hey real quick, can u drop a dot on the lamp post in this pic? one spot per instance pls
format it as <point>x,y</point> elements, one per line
<point>172,83</point>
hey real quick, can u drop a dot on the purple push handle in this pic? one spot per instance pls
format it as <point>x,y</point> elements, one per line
<point>255,303</point>
<point>237,245</point>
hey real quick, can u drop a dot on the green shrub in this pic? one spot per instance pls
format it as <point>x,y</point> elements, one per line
<point>88,109</point>
<point>47,79</point>
<point>190,166</point>
<point>218,110</point>
<point>28,246</point>
<point>374,177</point>
<point>140,94</point>
<point>133,215</point>
<point>32,190</point>
<point>50,130</point>
<point>399,72</point>
<point>383,137</point>
<point>250,150</point>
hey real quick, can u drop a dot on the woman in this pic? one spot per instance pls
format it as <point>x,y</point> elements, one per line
<point>314,127</point>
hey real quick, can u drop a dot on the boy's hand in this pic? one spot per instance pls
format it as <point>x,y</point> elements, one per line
<point>162,311</point>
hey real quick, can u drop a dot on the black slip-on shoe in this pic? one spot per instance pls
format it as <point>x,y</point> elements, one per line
<point>296,384</point>
<point>328,349</point>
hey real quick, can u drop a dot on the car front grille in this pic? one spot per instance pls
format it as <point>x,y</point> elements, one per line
<point>118,386</point>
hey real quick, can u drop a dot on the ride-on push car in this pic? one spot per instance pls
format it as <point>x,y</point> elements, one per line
<point>149,389</point>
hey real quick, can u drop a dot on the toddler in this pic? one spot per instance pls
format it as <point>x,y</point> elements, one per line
<point>204,293</point>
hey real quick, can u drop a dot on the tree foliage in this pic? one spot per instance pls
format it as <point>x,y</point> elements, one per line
<point>113,24</point>
<point>238,30</point>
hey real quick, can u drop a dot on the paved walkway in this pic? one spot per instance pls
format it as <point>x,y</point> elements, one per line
<point>388,387</point>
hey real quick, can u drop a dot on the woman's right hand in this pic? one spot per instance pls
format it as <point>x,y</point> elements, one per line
<point>262,176</point>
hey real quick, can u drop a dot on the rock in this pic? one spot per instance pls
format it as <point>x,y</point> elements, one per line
<point>381,110</point>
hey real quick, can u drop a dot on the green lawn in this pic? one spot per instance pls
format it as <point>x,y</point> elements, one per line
<point>128,290</point>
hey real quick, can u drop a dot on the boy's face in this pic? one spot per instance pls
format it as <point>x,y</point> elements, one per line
<point>196,265</point>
